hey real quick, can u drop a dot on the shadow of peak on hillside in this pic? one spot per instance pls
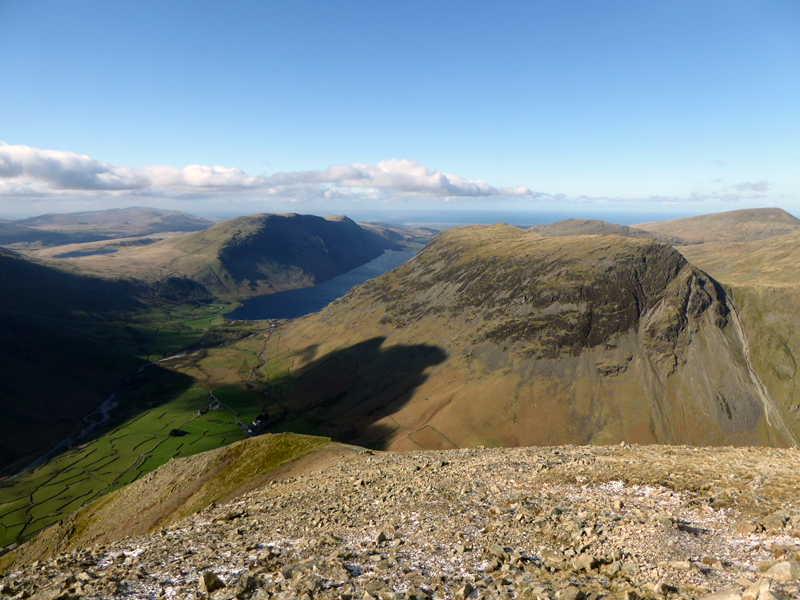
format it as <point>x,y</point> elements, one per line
<point>367,352</point>
<point>309,353</point>
<point>343,393</point>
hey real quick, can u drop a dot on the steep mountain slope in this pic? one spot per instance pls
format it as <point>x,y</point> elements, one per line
<point>734,226</point>
<point>56,366</point>
<point>763,278</point>
<point>595,227</point>
<point>527,341</point>
<point>241,257</point>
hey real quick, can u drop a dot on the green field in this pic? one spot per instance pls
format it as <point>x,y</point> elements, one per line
<point>35,500</point>
<point>152,403</point>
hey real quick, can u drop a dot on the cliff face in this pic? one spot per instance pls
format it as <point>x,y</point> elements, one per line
<point>763,277</point>
<point>556,299</point>
<point>591,339</point>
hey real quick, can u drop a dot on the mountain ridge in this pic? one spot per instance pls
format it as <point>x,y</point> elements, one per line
<point>568,227</point>
<point>732,226</point>
<point>118,222</point>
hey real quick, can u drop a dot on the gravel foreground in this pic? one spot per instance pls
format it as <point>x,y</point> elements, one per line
<point>561,523</point>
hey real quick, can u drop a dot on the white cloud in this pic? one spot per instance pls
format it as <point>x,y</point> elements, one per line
<point>397,177</point>
<point>30,175</point>
<point>64,170</point>
<point>25,171</point>
<point>718,191</point>
<point>759,186</point>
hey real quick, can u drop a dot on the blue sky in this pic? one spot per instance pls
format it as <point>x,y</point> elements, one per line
<point>368,107</point>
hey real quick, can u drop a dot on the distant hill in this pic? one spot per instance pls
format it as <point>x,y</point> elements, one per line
<point>734,226</point>
<point>595,227</point>
<point>118,222</point>
<point>13,233</point>
<point>492,336</point>
<point>92,226</point>
<point>241,257</point>
<point>774,261</point>
<point>410,236</point>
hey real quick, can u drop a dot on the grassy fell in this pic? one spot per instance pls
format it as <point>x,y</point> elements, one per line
<point>734,226</point>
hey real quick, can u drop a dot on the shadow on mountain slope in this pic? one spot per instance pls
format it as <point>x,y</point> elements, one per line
<point>342,394</point>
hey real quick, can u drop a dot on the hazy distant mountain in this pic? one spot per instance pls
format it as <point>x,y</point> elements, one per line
<point>13,233</point>
<point>733,226</point>
<point>119,222</point>
<point>493,336</point>
<point>92,226</point>
<point>595,227</point>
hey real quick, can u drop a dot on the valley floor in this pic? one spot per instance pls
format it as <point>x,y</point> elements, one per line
<point>552,523</point>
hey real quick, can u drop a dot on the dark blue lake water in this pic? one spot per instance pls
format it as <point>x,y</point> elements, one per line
<point>297,303</point>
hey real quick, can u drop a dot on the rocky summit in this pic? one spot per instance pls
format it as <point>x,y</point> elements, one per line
<point>559,523</point>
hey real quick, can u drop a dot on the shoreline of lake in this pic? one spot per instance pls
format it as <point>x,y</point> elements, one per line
<point>292,304</point>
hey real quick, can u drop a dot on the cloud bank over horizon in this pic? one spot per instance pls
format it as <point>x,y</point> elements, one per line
<point>33,175</point>
<point>26,171</point>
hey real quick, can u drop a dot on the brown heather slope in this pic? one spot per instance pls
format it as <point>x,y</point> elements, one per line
<point>771,262</point>
<point>245,256</point>
<point>733,226</point>
<point>492,336</point>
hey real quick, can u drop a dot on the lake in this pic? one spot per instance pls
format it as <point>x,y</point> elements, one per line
<point>297,303</point>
